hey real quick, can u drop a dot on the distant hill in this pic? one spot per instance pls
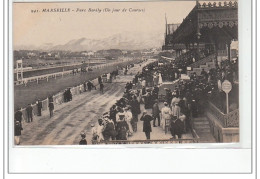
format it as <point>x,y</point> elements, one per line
<point>123,41</point>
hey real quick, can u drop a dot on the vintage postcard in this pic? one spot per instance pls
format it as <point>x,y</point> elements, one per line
<point>98,73</point>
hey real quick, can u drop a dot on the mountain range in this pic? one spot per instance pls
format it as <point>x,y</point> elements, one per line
<point>123,41</point>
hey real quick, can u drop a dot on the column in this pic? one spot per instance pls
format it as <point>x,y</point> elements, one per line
<point>228,50</point>
<point>216,49</point>
<point>198,43</point>
<point>198,50</point>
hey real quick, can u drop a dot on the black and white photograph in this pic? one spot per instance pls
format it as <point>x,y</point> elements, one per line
<point>112,73</point>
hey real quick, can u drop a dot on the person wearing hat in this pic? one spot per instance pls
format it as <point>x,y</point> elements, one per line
<point>29,111</point>
<point>175,100</point>
<point>109,131</point>
<point>100,129</point>
<point>166,116</point>
<point>128,119</point>
<point>147,129</point>
<point>122,127</point>
<point>156,113</point>
<point>135,109</point>
<point>83,140</point>
<point>39,107</point>
<point>168,96</point>
<point>177,127</point>
<point>89,84</point>
<point>51,108</point>
<point>85,86</point>
<point>18,115</point>
<point>101,87</point>
<point>17,132</point>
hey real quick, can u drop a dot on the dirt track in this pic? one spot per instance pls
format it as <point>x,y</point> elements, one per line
<point>73,117</point>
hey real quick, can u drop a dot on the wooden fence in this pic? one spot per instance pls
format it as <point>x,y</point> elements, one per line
<point>227,120</point>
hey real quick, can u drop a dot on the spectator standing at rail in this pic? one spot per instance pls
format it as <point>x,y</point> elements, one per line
<point>17,132</point>
<point>18,115</point>
<point>29,111</point>
<point>80,89</point>
<point>85,86</point>
<point>69,95</point>
<point>51,108</point>
<point>101,86</point>
<point>99,80</point>
<point>147,129</point>
<point>39,107</point>
<point>89,84</point>
<point>109,78</point>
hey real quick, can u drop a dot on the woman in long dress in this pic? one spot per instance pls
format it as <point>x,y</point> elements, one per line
<point>166,115</point>
<point>128,119</point>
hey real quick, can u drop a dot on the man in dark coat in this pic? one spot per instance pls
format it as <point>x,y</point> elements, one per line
<point>177,127</point>
<point>101,88</point>
<point>156,91</point>
<point>89,84</point>
<point>109,131</point>
<point>156,113</point>
<point>18,115</point>
<point>39,107</point>
<point>147,129</point>
<point>99,80</point>
<point>135,109</point>
<point>17,132</point>
<point>122,129</point>
<point>143,90</point>
<point>168,96</point>
<point>51,108</point>
<point>29,111</point>
<point>85,86</point>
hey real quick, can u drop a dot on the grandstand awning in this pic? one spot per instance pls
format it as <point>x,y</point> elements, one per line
<point>207,23</point>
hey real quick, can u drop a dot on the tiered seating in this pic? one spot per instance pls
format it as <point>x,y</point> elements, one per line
<point>206,63</point>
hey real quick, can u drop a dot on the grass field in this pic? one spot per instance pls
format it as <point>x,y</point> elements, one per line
<point>24,95</point>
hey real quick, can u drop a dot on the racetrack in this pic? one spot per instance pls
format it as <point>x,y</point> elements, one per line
<point>75,116</point>
<point>24,95</point>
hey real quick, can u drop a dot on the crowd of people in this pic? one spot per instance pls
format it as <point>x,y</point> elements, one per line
<point>121,121</point>
<point>67,96</point>
<point>19,119</point>
<point>188,99</point>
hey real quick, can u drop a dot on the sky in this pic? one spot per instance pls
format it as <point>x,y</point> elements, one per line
<point>60,27</point>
